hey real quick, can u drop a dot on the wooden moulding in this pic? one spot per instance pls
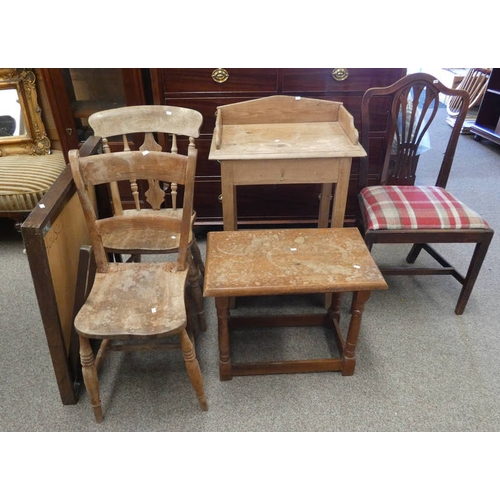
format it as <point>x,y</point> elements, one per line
<point>53,234</point>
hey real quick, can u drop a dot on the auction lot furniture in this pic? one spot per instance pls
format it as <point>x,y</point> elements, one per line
<point>28,167</point>
<point>285,140</point>
<point>397,211</point>
<point>132,306</point>
<point>142,123</point>
<point>206,89</point>
<point>290,261</point>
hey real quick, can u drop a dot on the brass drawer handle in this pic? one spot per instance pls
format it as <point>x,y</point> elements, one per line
<point>340,74</point>
<point>220,75</point>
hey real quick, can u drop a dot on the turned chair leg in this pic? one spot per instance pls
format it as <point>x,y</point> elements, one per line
<point>90,379</point>
<point>193,368</point>
<point>196,293</point>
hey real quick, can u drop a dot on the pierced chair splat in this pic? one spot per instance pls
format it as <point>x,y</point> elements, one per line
<point>151,126</point>
<point>399,210</point>
<point>135,305</point>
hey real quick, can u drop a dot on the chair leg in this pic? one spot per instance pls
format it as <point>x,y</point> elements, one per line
<point>90,379</point>
<point>196,293</point>
<point>193,368</point>
<point>472,273</point>
<point>414,253</point>
<point>195,250</point>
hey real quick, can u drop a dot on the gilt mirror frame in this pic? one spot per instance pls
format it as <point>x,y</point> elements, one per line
<point>33,140</point>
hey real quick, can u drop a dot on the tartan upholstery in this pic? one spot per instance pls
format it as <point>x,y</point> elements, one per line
<point>416,207</point>
<point>24,179</point>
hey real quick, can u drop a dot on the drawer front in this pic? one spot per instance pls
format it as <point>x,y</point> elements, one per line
<point>297,80</point>
<point>201,80</point>
<point>296,202</point>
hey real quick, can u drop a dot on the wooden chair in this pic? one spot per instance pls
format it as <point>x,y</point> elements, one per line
<point>474,83</point>
<point>142,123</point>
<point>396,211</point>
<point>133,305</point>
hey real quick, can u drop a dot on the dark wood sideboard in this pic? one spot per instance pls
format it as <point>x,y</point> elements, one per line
<point>207,88</point>
<point>277,204</point>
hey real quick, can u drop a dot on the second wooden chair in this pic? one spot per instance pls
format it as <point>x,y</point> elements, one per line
<point>152,127</point>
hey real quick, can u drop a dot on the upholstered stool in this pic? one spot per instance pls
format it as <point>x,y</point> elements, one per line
<point>24,180</point>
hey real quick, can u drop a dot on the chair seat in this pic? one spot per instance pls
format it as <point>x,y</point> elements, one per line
<point>145,241</point>
<point>416,207</point>
<point>122,314</point>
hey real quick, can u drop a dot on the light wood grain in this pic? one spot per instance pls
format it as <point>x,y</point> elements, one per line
<point>285,140</point>
<point>136,301</point>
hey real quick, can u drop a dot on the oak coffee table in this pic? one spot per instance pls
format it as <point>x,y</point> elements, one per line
<point>271,262</point>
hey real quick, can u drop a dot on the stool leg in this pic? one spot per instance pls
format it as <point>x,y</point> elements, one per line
<point>90,379</point>
<point>335,304</point>
<point>357,308</point>
<point>193,368</point>
<point>222,306</point>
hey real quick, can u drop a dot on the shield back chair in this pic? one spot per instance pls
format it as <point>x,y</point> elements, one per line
<point>135,305</point>
<point>398,210</point>
<point>140,124</point>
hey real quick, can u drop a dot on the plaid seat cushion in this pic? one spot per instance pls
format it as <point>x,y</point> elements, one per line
<point>416,207</point>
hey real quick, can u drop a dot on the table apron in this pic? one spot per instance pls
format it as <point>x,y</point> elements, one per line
<point>285,171</point>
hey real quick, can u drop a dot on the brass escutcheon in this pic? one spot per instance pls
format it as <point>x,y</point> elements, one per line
<point>340,74</point>
<point>220,75</point>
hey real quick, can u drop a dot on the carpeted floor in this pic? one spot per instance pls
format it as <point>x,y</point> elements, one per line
<point>419,366</point>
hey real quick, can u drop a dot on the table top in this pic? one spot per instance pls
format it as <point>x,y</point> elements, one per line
<point>289,261</point>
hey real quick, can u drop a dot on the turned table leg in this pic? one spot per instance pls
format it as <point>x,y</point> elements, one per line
<point>222,305</point>
<point>349,354</point>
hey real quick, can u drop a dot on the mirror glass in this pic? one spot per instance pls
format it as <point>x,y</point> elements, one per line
<point>11,119</point>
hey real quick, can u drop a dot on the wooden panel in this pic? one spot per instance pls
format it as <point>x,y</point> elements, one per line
<point>62,241</point>
<point>200,80</point>
<point>321,80</point>
<point>53,234</point>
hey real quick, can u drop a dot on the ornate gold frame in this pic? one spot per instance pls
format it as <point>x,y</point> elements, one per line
<point>34,141</point>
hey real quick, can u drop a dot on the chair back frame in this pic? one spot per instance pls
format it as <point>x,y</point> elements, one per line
<point>167,167</point>
<point>405,136</point>
<point>154,121</point>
